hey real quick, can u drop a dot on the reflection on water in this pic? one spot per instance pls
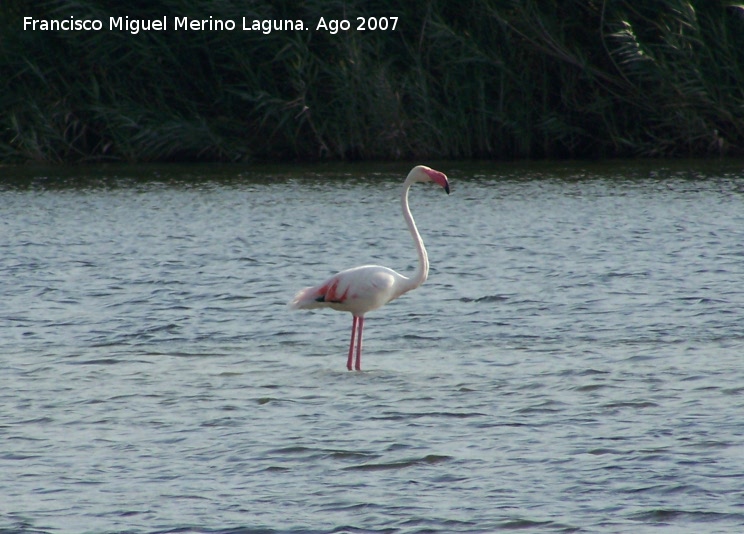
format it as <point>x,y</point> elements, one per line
<point>572,363</point>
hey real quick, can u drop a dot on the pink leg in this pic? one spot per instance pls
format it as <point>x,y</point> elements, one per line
<point>359,344</point>
<point>351,344</point>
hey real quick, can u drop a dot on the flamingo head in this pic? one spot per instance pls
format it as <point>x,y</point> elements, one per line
<point>422,173</point>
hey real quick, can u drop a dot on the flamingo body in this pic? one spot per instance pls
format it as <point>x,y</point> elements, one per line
<point>356,290</point>
<point>368,287</point>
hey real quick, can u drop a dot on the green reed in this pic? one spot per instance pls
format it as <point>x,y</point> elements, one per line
<point>476,79</point>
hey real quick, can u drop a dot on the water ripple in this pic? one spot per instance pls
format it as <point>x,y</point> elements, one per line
<point>571,365</point>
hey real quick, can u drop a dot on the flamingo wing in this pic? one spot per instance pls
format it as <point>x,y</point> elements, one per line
<point>357,290</point>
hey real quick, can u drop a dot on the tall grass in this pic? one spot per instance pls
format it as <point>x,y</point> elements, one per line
<point>473,79</point>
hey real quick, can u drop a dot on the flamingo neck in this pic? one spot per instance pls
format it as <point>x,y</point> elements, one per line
<point>422,270</point>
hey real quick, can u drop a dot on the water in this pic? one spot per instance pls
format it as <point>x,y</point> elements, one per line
<point>573,363</point>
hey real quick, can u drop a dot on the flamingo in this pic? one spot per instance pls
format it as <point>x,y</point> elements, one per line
<point>368,287</point>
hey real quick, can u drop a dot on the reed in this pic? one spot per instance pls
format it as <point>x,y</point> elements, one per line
<point>479,79</point>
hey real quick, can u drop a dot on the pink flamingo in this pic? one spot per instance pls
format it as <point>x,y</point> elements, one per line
<point>369,287</point>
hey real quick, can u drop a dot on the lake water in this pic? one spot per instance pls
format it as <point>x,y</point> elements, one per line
<point>575,362</point>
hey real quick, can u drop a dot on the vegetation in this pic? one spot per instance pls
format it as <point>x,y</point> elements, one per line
<point>468,79</point>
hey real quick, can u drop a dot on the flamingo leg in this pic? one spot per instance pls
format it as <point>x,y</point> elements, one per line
<point>359,344</point>
<point>351,344</point>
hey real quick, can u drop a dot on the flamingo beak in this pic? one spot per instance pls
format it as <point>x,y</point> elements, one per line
<point>439,178</point>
